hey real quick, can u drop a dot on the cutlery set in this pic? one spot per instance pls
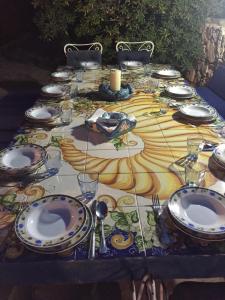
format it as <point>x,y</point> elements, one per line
<point>99,212</point>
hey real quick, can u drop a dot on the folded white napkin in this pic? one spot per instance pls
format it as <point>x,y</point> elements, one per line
<point>97,114</point>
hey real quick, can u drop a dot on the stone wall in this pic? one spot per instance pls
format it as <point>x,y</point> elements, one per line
<point>214,52</point>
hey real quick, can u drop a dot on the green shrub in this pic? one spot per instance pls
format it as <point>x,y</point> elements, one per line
<point>173,25</point>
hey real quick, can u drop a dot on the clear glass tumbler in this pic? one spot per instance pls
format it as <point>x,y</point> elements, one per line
<point>79,75</point>
<point>194,174</point>
<point>88,183</point>
<point>66,116</point>
<point>147,70</point>
<point>53,160</point>
<point>194,145</point>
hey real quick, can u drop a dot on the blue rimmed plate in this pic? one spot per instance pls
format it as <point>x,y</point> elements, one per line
<point>42,113</point>
<point>199,210</point>
<point>21,159</point>
<point>50,221</point>
<point>71,243</point>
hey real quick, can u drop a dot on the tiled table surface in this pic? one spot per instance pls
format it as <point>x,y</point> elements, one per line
<point>131,168</point>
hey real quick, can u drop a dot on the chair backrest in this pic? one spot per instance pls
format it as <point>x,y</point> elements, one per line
<point>96,46</point>
<point>136,46</point>
<point>77,53</point>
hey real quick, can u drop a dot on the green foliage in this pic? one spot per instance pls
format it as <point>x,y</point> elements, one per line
<point>124,221</point>
<point>173,25</point>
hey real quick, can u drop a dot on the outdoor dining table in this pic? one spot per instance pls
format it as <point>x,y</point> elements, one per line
<point>131,167</point>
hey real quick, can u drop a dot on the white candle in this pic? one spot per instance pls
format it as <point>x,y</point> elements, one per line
<point>115,80</point>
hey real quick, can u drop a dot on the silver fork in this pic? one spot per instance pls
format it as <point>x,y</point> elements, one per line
<point>156,207</point>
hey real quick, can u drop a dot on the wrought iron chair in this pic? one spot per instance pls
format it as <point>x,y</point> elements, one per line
<point>79,54</point>
<point>134,51</point>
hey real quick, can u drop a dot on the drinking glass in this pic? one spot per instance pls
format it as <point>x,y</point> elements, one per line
<point>194,145</point>
<point>123,67</point>
<point>53,160</point>
<point>88,183</point>
<point>66,115</point>
<point>153,83</point>
<point>74,90</point>
<point>147,70</point>
<point>79,75</point>
<point>194,174</point>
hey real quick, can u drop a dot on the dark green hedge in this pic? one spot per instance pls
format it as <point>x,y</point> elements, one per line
<point>173,25</point>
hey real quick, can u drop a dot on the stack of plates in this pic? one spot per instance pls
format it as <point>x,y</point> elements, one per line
<point>53,90</point>
<point>132,64</point>
<point>53,224</point>
<point>219,155</point>
<point>180,91</point>
<point>198,212</point>
<point>61,76</point>
<point>42,114</point>
<point>22,159</point>
<point>90,65</point>
<point>167,74</point>
<point>198,112</point>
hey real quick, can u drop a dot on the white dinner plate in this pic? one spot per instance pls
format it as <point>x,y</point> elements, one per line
<point>22,158</point>
<point>53,90</point>
<point>180,91</point>
<point>42,113</point>
<point>90,65</point>
<point>132,64</point>
<point>74,241</point>
<point>50,221</point>
<point>61,76</point>
<point>167,73</point>
<point>199,209</point>
<point>219,153</point>
<point>198,111</point>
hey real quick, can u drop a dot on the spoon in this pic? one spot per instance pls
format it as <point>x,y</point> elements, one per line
<point>101,213</point>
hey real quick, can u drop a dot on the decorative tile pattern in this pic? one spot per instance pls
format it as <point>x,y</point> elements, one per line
<point>131,168</point>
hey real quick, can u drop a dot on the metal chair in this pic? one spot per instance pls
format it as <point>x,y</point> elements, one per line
<point>78,53</point>
<point>134,51</point>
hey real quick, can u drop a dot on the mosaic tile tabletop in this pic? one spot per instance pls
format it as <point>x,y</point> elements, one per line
<point>131,169</point>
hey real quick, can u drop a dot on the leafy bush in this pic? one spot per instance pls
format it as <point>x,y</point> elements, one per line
<point>173,25</point>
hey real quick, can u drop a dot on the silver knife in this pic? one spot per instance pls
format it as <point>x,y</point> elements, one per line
<point>91,251</point>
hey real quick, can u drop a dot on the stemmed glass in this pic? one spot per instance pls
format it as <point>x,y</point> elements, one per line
<point>88,183</point>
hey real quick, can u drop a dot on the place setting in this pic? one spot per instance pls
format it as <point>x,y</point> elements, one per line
<point>195,114</point>
<point>192,211</point>
<point>132,64</point>
<point>166,74</point>
<point>179,92</point>
<point>49,116</point>
<point>55,91</point>
<point>198,213</point>
<point>62,76</point>
<point>26,164</point>
<point>55,224</point>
